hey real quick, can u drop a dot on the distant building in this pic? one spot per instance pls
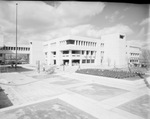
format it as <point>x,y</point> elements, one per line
<point>133,54</point>
<point>8,54</point>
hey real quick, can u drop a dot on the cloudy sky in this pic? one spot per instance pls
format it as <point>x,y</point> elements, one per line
<point>40,20</point>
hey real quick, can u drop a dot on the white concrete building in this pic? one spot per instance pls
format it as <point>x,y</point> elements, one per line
<point>133,54</point>
<point>72,50</point>
<point>36,52</point>
<point>110,50</point>
<point>114,50</point>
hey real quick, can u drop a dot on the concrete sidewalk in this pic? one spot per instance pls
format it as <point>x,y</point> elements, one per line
<point>77,90</point>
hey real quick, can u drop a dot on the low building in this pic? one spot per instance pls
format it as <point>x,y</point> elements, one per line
<point>8,54</point>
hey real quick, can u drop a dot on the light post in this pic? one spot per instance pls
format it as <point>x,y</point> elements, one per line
<point>16,35</point>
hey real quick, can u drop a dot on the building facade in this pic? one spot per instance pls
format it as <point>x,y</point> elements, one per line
<point>8,54</point>
<point>36,52</point>
<point>111,50</point>
<point>71,50</point>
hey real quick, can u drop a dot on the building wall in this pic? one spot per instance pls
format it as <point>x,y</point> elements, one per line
<point>80,45</point>
<point>36,52</point>
<point>114,50</point>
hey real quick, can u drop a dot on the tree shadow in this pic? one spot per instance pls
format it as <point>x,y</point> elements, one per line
<point>145,80</point>
<point>19,69</point>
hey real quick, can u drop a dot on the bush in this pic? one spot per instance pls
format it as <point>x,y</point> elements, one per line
<point>50,70</point>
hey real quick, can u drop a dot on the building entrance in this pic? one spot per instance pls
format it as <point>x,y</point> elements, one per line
<point>75,62</point>
<point>65,62</point>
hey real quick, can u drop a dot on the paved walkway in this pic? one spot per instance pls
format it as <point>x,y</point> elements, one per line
<point>97,96</point>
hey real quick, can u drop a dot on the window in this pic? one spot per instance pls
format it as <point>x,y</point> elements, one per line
<point>92,52</point>
<point>1,55</point>
<point>83,61</point>
<point>87,52</point>
<point>102,44</point>
<point>88,61</point>
<point>65,52</point>
<point>121,36</point>
<point>102,52</point>
<point>82,52</point>
<point>71,42</point>
<point>54,53</point>
<point>92,61</point>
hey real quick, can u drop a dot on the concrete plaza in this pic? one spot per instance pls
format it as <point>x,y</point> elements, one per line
<point>68,95</point>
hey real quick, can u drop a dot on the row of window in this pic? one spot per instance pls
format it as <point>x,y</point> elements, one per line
<point>78,42</point>
<point>134,54</point>
<point>88,61</point>
<point>14,48</point>
<point>83,52</point>
<point>102,44</point>
<point>132,60</point>
<point>102,52</point>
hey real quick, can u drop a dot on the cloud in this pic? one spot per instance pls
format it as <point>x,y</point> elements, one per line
<point>37,17</point>
<point>142,32</point>
<point>135,43</point>
<point>111,18</point>
<point>122,17</point>
<point>127,8</point>
<point>145,21</point>
<point>88,30</point>
<point>120,28</point>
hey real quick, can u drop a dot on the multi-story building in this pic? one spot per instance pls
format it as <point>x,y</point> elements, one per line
<point>72,50</point>
<point>109,50</point>
<point>133,54</point>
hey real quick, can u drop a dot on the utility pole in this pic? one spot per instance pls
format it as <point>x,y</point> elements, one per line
<point>16,35</point>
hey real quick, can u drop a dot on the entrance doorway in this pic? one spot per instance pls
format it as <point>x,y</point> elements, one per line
<point>65,62</point>
<point>54,61</point>
<point>75,62</point>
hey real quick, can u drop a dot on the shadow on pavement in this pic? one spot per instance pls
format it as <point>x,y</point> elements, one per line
<point>9,69</point>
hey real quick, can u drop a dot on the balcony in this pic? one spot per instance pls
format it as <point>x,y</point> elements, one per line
<point>65,55</point>
<point>76,55</point>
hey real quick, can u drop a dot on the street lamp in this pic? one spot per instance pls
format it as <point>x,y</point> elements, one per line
<point>16,35</point>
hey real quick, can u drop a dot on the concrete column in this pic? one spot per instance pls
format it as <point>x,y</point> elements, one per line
<point>70,58</point>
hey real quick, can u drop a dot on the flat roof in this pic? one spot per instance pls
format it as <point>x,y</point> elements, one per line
<point>73,38</point>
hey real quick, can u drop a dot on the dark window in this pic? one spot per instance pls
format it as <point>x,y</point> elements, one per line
<point>121,36</point>
<point>83,61</point>
<point>82,52</point>
<point>70,41</point>
<point>92,61</point>
<point>88,61</point>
